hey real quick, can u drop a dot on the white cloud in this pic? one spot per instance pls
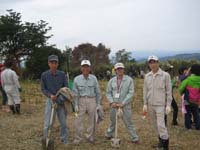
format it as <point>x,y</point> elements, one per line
<point>129,24</point>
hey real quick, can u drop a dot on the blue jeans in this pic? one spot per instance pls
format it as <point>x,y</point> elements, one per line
<point>61,117</point>
<point>192,109</point>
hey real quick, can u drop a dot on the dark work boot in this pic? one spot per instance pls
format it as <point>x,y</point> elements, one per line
<point>174,123</point>
<point>12,108</point>
<point>18,108</point>
<point>165,144</point>
<point>159,145</point>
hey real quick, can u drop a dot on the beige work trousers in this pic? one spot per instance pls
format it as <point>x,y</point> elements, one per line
<point>87,105</point>
<point>157,115</point>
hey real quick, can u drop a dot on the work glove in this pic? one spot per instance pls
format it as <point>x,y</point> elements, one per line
<point>167,110</point>
<point>145,108</point>
<point>20,89</point>
<point>121,105</point>
<point>76,109</point>
<point>98,106</point>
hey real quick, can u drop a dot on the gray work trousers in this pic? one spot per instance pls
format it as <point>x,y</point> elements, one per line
<point>127,119</point>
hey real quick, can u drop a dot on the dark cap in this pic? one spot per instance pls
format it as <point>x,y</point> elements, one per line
<point>195,69</point>
<point>53,58</point>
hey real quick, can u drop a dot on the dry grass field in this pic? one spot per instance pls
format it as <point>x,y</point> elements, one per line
<point>24,132</point>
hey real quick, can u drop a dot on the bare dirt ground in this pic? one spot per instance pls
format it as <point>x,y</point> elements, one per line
<point>24,132</point>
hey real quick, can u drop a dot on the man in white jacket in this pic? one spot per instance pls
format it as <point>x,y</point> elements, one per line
<point>10,84</point>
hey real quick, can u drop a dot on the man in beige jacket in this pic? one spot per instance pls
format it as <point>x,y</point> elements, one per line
<point>157,99</point>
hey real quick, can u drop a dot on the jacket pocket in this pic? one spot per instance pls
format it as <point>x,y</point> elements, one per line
<point>81,87</point>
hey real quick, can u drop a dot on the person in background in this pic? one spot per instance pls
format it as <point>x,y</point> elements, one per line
<point>192,85</point>
<point>142,74</point>
<point>157,94</point>
<point>173,104</point>
<point>87,100</point>
<point>184,72</point>
<point>113,72</point>
<point>108,75</point>
<point>3,93</point>
<point>10,83</point>
<point>119,92</point>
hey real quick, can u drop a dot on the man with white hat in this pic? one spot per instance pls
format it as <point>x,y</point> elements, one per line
<point>119,92</point>
<point>87,99</point>
<point>157,94</point>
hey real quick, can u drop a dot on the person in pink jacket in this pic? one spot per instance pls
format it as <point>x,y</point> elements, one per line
<point>192,85</point>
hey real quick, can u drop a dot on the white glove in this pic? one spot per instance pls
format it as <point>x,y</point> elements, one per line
<point>98,106</point>
<point>145,108</point>
<point>167,110</point>
<point>76,108</point>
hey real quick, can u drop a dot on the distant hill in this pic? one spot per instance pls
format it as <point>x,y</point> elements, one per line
<point>192,56</point>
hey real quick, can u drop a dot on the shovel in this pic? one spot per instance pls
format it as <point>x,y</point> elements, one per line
<point>48,143</point>
<point>115,142</point>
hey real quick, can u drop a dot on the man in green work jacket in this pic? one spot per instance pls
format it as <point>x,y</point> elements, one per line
<point>120,90</point>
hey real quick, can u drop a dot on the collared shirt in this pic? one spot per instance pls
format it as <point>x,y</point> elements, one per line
<point>126,90</point>
<point>51,83</point>
<point>87,87</point>
<point>157,89</point>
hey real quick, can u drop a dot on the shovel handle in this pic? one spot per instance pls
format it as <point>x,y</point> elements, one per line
<point>116,124</point>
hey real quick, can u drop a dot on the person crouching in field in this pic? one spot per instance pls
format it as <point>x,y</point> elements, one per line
<point>157,94</point>
<point>119,93</point>
<point>192,85</point>
<point>10,83</point>
<point>51,81</point>
<point>87,100</point>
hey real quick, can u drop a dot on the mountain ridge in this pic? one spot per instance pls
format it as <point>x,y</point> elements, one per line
<point>182,56</point>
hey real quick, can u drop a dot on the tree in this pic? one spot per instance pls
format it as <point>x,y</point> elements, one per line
<point>38,61</point>
<point>96,54</point>
<point>68,57</point>
<point>123,56</point>
<point>18,40</point>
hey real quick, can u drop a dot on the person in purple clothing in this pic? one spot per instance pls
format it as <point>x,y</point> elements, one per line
<point>183,73</point>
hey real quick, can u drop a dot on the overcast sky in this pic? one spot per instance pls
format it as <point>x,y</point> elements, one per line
<point>131,24</point>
